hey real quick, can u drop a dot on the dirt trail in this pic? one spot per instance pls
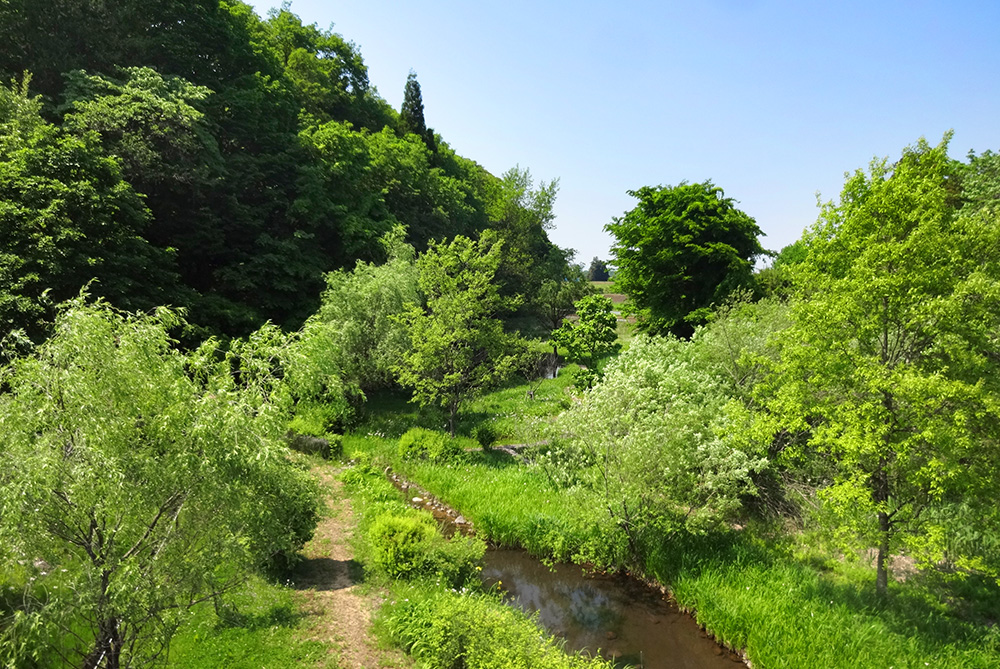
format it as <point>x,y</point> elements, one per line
<point>328,592</point>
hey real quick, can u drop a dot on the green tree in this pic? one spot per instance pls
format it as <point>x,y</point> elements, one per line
<point>888,365</point>
<point>679,251</point>
<point>556,297</point>
<point>598,270</point>
<point>458,346</point>
<point>67,217</point>
<point>411,115</point>
<point>137,481</point>
<point>593,333</point>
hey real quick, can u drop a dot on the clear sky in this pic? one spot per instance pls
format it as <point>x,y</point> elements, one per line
<point>773,100</point>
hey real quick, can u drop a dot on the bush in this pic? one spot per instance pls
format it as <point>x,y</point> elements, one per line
<point>326,447</point>
<point>485,435</point>
<point>444,629</point>
<point>420,443</point>
<point>409,546</point>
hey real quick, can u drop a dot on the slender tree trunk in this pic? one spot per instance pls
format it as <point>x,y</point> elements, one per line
<point>881,574</point>
<point>880,495</point>
<point>451,418</point>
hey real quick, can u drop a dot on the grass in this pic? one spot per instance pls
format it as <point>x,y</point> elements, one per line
<point>258,629</point>
<point>754,589</point>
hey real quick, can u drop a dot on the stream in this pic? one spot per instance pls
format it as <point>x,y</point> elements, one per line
<point>617,616</point>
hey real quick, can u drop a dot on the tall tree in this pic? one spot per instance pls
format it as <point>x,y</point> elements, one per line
<point>411,115</point>
<point>458,346</point>
<point>888,365</point>
<point>679,251</point>
<point>67,217</point>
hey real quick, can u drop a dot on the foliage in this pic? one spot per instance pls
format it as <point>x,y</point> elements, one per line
<point>458,346</point>
<point>443,629</point>
<point>886,365</point>
<point>67,217</point>
<point>409,546</point>
<point>419,442</point>
<point>556,297</point>
<point>680,251</point>
<point>356,338</point>
<point>598,270</point>
<point>594,332</point>
<point>650,443</point>
<point>411,115</point>
<point>137,481</point>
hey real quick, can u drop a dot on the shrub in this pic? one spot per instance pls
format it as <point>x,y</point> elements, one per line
<point>420,443</point>
<point>444,629</point>
<point>410,546</point>
<point>485,435</point>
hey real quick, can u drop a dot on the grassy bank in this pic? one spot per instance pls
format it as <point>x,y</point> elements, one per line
<point>758,590</point>
<point>436,610</point>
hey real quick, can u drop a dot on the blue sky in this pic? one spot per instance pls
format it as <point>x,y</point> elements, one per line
<point>773,100</point>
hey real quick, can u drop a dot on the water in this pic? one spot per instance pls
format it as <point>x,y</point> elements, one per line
<point>619,617</point>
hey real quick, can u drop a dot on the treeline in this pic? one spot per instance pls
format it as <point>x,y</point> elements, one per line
<point>198,155</point>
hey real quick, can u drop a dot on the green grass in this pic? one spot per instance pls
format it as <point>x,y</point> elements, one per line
<point>753,589</point>
<point>258,629</point>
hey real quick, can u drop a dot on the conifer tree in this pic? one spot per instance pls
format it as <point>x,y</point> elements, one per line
<point>412,113</point>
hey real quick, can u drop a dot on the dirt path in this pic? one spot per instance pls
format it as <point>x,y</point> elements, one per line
<point>328,592</point>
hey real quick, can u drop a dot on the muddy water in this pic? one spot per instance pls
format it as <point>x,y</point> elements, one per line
<point>618,617</point>
<point>621,618</point>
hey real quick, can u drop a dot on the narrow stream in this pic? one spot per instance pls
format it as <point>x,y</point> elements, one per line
<point>619,617</point>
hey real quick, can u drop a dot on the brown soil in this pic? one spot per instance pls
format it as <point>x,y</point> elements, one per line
<point>327,581</point>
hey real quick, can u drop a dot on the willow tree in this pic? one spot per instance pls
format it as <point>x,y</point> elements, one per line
<point>889,365</point>
<point>135,482</point>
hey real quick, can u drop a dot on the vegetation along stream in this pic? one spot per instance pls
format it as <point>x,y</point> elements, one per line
<point>616,616</point>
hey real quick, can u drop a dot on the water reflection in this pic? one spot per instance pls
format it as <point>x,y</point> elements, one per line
<point>617,617</point>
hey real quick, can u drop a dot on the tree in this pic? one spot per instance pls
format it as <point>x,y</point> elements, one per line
<point>411,115</point>
<point>594,332</point>
<point>888,366</point>
<point>679,251</point>
<point>556,297</point>
<point>457,344</point>
<point>137,481</point>
<point>66,218</point>
<point>598,270</point>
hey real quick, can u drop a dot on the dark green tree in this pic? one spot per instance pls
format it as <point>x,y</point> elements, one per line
<point>67,217</point>
<point>679,251</point>
<point>411,115</point>
<point>598,270</point>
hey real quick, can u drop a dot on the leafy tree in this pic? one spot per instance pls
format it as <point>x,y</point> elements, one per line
<point>598,270</point>
<point>679,251</point>
<point>458,346</point>
<point>137,481</point>
<point>67,217</point>
<point>556,297</point>
<point>594,332</point>
<point>887,367</point>
<point>356,337</point>
<point>520,215</point>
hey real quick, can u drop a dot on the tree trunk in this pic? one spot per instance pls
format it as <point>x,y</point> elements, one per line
<point>451,418</point>
<point>881,574</point>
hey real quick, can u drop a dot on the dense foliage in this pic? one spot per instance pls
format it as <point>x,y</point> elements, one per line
<point>221,162</point>
<point>680,251</point>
